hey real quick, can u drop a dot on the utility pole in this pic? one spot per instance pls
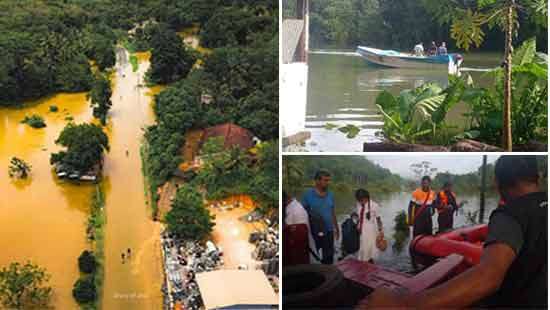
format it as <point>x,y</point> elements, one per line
<point>483,188</point>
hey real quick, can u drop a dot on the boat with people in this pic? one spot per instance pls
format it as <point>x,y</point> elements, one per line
<point>395,59</point>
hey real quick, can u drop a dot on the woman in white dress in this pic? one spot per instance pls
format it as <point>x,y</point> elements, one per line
<point>369,226</point>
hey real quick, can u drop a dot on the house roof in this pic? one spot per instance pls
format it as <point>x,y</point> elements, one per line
<point>253,289</point>
<point>232,134</point>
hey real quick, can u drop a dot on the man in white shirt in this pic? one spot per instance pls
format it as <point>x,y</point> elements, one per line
<point>295,216</point>
<point>419,49</point>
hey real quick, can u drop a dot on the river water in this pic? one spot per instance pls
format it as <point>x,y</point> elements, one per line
<point>44,220</point>
<point>342,90</point>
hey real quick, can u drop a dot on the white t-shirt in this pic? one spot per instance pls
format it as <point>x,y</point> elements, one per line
<point>419,50</point>
<point>295,215</point>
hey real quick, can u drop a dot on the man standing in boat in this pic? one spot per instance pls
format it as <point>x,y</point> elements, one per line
<point>421,208</point>
<point>513,270</point>
<point>446,206</point>
<point>419,49</point>
<point>319,203</point>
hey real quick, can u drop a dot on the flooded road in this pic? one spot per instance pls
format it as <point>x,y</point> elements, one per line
<point>342,90</point>
<point>44,220</point>
<point>135,284</point>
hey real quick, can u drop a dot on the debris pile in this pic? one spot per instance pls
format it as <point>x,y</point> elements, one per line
<point>267,249</point>
<point>182,260</point>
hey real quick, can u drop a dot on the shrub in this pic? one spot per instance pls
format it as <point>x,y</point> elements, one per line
<point>35,121</point>
<point>54,108</point>
<point>87,262</point>
<point>84,290</point>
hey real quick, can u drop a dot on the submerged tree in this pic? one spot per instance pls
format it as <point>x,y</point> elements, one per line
<point>85,145</point>
<point>468,18</point>
<point>101,97</point>
<point>24,286</point>
<point>19,168</point>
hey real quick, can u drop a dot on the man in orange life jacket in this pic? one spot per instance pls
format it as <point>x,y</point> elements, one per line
<point>421,208</point>
<point>446,205</point>
<point>513,271</point>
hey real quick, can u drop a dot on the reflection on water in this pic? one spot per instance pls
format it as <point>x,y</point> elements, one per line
<point>342,89</point>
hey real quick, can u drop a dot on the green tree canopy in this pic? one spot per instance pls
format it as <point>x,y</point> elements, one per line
<point>170,59</point>
<point>85,145</point>
<point>188,218</point>
<point>101,97</point>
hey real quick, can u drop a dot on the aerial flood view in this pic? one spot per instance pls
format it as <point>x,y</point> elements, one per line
<point>427,75</point>
<point>139,143</point>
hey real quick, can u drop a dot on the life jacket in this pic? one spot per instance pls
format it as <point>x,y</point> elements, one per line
<point>350,236</point>
<point>445,200</point>
<point>420,202</point>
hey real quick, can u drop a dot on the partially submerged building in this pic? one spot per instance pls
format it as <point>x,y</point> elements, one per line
<point>294,71</point>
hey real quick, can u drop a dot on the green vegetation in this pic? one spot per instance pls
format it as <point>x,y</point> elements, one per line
<point>35,121</point>
<point>347,173</point>
<point>400,231</point>
<point>87,262</point>
<point>101,97</point>
<point>85,290</point>
<point>170,58</point>
<point>418,116</point>
<point>241,77</point>
<point>24,286</point>
<point>54,108</point>
<point>188,218</point>
<point>19,168</point>
<point>401,24</point>
<point>85,145</point>
<point>134,63</point>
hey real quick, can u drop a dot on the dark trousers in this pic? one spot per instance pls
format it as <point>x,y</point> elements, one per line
<point>423,223</point>
<point>445,220</point>
<point>326,245</point>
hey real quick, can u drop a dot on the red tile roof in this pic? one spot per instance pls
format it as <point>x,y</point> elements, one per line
<point>232,134</point>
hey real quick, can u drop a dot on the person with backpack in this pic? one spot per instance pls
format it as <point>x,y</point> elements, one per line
<point>319,203</point>
<point>369,226</point>
<point>513,270</point>
<point>350,235</point>
<point>421,208</point>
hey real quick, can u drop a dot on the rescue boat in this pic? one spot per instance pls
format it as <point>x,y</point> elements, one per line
<point>466,241</point>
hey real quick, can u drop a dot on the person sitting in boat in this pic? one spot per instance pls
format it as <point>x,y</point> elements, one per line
<point>513,270</point>
<point>369,226</point>
<point>421,208</point>
<point>446,206</point>
<point>419,49</point>
<point>442,50</point>
<point>432,51</point>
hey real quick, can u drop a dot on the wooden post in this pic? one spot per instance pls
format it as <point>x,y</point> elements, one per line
<point>483,188</point>
<point>507,110</point>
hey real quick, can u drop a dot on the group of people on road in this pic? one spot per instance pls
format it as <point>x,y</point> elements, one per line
<point>126,255</point>
<point>433,50</point>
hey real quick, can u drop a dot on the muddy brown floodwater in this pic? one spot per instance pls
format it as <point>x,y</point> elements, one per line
<point>43,220</point>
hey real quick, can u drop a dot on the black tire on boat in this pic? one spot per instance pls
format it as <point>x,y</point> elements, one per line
<point>311,286</point>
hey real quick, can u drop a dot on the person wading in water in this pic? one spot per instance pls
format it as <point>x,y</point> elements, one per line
<point>513,270</point>
<point>421,208</point>
<point>446,206</point>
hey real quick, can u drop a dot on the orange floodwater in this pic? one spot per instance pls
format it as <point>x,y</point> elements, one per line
<point>43,220</point>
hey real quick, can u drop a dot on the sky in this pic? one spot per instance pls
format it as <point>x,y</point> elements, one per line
<point>456,164</point>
